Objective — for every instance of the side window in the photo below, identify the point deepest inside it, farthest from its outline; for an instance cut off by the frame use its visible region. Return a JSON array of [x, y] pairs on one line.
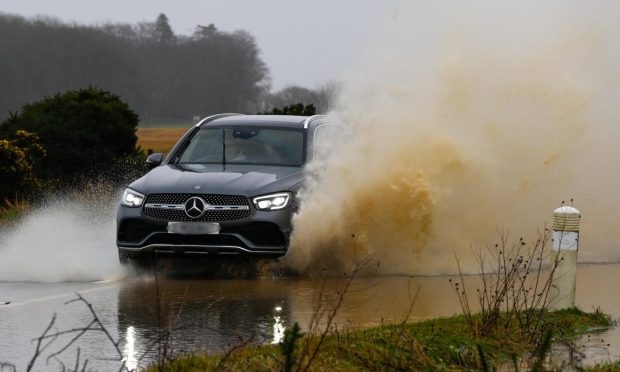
[[327, 138]]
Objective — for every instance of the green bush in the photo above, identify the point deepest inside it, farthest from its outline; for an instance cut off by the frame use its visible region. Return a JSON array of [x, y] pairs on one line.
[[85, 132], [292, 109], [17, 160]]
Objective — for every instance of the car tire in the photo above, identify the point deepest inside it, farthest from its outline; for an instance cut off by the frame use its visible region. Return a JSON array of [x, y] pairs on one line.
[[123, 258], [136, 261]]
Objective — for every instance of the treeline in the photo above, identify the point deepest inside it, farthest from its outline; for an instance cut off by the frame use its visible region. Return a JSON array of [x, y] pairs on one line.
[[163, 76]]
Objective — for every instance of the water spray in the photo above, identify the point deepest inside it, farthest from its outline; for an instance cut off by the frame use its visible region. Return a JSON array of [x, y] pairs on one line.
[[69, 238], [465, 122]]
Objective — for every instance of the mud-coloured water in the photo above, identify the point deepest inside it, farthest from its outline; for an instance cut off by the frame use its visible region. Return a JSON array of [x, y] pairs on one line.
[[197, 315]]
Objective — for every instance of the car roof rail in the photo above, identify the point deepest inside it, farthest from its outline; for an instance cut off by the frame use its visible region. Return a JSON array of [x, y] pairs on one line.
[[213, 117], [312, 118]]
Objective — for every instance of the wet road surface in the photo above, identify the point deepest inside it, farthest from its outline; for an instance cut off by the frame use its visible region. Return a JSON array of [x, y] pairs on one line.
[[197, 314]]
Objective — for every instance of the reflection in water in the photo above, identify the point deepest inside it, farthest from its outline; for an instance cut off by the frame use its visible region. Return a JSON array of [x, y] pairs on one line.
[[195, 315], [162, 317], [154, 317], [131, 361], [278, 326]]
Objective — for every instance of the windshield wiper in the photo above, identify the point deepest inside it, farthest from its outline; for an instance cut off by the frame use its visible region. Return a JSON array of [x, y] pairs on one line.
[[182, 166]]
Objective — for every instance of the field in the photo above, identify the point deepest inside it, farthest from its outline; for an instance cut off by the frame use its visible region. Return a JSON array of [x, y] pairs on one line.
[[159, 139]]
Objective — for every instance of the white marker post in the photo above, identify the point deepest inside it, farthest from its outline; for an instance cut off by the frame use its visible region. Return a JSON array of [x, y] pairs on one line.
[[565, 244]]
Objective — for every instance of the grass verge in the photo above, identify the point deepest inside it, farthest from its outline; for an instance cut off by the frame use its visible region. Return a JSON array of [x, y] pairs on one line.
[[443, 343], [605, 367]]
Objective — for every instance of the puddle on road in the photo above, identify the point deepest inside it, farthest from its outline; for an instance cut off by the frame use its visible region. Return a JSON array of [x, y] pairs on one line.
[[198, 315]]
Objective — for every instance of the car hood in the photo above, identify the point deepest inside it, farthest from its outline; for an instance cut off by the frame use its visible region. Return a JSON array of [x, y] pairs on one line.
[[246, 180]]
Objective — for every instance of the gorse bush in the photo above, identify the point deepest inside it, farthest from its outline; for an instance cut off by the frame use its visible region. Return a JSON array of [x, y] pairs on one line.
[[84, 132], [17, 160]]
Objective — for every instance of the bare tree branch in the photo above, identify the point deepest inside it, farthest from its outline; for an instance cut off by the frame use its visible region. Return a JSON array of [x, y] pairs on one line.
[[39, 349]]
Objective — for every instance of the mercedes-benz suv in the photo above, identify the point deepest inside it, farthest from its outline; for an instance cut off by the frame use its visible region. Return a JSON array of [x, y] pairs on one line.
[[228, 187]]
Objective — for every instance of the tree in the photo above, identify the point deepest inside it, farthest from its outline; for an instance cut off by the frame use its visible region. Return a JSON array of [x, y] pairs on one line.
[[293, 109], [83, 131], [322, 97], [205, 32], [162, 32], [164, 77]]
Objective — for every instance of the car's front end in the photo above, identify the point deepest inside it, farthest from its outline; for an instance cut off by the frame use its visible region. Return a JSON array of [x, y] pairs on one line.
[[220, 225], [198, 202]]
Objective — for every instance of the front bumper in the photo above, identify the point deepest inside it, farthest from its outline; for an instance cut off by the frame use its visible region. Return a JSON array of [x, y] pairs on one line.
[[262, 233]]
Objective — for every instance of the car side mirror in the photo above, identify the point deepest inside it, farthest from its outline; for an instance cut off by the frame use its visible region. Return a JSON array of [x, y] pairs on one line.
[[154, 160]]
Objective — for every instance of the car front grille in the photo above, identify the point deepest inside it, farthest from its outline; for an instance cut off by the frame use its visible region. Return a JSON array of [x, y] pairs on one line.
[[135, 230], [225, 207], [259, 233]]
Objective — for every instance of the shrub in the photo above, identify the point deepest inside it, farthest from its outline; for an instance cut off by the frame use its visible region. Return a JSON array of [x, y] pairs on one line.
[[81, 130], [292, 109], [17, 159]]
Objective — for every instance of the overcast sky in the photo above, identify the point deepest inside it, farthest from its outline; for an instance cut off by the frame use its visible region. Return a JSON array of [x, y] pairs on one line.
[[303, 42]]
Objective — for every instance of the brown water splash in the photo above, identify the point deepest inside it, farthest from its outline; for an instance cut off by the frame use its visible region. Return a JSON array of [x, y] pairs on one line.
[[468, 119]]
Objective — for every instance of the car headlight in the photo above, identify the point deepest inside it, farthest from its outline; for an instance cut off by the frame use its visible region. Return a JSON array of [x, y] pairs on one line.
[[272, 202], [132, 198]]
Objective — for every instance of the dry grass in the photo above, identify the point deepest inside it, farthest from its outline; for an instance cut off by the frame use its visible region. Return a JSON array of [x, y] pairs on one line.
[[159, 139]]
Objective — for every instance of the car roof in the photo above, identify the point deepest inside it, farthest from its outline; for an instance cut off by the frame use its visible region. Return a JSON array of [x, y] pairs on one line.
[[290, 121]]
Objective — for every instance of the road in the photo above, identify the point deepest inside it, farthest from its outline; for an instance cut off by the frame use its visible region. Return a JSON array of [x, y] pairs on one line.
[[201, 314]]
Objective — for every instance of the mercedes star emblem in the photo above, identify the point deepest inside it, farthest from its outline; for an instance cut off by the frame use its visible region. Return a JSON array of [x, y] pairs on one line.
[[195, 207]]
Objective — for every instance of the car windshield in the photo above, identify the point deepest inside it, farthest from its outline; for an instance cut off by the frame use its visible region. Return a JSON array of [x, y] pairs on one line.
[[245, 145]]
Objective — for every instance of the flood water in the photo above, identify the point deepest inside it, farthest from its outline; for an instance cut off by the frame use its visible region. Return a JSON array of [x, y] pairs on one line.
[[196, 314]]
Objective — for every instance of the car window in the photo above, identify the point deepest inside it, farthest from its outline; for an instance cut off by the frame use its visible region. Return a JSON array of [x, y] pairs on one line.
[[327, 138], [245, 145]]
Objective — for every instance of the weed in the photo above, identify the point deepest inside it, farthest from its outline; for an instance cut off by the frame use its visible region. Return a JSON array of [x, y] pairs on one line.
[[324, 313], [288, 345], [483, 359], [11, 210], [541, 351], [515, 288]]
